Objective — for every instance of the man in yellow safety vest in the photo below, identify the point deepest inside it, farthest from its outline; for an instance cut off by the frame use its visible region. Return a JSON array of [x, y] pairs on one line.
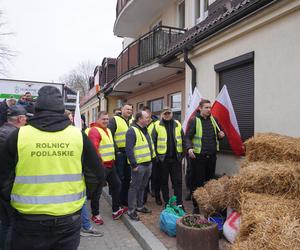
[[102, 139], [41, 174], [140, 152], [202, 142], [118, 126]]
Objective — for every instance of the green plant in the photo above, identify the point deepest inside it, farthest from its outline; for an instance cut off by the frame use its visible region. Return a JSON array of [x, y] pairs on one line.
[[195, 221]]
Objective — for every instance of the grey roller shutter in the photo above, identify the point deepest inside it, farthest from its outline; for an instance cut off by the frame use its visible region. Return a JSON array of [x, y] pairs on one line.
[[240, 84]]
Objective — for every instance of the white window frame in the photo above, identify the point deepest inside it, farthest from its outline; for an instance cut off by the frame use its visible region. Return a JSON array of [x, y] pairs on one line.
[[203, 12], [178, 13]]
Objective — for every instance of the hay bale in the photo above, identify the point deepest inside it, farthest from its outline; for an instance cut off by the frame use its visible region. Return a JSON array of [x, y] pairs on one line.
[[272, 147], [211, 198], [273, 234], [281, 179], [266, 216]]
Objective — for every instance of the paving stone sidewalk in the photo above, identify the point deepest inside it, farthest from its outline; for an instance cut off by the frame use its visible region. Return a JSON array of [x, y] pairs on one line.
[[116, 235]]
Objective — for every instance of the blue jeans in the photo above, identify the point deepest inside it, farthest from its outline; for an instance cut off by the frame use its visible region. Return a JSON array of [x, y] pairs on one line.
[[85, 221]]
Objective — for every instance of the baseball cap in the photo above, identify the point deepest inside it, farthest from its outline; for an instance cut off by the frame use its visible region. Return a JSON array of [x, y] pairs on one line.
[[166, 109], [16, 110]]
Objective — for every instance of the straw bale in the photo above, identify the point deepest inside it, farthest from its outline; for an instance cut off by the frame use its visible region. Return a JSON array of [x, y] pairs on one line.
[[271, 178], [272, 147], [211, 198], [273, 234], [256, 209]]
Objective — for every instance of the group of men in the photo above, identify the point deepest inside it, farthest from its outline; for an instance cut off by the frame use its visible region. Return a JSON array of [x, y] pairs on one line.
[[46, 194]]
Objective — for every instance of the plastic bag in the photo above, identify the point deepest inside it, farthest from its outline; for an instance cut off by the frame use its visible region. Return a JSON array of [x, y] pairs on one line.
[[231, 226], [169, 216]]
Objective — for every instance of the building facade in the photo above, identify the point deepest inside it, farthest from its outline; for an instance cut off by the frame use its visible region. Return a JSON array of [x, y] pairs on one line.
[[253, 47]]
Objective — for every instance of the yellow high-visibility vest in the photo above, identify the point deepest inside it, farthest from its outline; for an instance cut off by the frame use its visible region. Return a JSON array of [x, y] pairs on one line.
[[49, 172], [150, 128], [197, 139], [161, 144], [106, 146], [86, 131], [142, 152], [120, 134]]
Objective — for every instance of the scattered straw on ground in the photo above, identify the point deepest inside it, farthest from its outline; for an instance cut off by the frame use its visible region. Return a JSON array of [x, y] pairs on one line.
[[272, 147], [212, 198]]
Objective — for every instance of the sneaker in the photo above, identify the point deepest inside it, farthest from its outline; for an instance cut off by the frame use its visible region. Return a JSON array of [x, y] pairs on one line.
[[133, 216], [144, 210], [116, 215], [182, 207], [97, 219], [90, 232], [125, 209]]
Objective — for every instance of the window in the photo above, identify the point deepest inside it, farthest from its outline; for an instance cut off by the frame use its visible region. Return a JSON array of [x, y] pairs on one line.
[[181, 15], [201, 10], [238, 75], [139, 106], [94, 114], [156, 105], [175, 104]]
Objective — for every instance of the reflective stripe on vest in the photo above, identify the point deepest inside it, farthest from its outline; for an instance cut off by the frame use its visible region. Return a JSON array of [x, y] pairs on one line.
[[197, 139], [48, 172], [106, 146], [142, 152], [162, 136], [119, 136]]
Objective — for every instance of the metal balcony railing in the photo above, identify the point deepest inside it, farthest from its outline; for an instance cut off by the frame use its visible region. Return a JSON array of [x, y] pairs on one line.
[[147, 48]]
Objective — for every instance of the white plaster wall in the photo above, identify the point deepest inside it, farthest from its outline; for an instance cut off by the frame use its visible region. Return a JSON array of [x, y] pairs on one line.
[[277, 73]]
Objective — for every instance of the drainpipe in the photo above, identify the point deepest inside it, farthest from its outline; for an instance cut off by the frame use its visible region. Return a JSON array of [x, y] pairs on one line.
[[191, 65]]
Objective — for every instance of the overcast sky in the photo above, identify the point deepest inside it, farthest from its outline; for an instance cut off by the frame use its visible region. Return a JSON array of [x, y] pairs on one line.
[[51, 37]]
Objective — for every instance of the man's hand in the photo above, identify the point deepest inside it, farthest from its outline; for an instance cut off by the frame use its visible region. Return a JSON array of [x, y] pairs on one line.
[[221, 135], [191, 153], [135, 169]]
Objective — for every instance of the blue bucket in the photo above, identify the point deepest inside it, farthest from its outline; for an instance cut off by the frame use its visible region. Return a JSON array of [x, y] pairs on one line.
[[219, 220]]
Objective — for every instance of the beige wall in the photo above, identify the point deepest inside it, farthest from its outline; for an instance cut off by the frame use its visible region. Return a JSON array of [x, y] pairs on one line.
[[87, 108], [159, 90], [274, 37]]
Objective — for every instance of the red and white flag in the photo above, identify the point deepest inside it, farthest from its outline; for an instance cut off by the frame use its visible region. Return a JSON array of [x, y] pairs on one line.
[[222, 109], [192, 108]]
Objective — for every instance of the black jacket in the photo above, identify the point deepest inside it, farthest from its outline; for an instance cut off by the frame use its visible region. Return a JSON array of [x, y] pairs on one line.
[[50, 122], [209, 145], [171, 141]]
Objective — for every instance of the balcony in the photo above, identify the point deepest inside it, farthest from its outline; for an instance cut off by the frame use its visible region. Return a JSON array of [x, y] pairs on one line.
[[143, 54], [133, 15]]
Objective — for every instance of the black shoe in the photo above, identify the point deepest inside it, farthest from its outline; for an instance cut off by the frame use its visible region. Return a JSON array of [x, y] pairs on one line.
[[196, 210], [158, 202], [188, 197], [133, 216], [144, 210]]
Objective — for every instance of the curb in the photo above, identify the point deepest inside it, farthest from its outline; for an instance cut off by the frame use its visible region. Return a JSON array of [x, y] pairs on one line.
[[141, 233]]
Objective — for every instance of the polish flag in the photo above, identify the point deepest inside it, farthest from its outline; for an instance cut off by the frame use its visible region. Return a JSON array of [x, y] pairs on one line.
[[192, 108], [77, 116], [222, 109]]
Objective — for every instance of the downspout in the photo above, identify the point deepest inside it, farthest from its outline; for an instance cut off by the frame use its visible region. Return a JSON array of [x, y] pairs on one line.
[[191, 65]]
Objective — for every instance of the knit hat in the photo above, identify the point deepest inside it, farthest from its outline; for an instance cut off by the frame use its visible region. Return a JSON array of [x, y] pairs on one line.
[[49, 98]]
